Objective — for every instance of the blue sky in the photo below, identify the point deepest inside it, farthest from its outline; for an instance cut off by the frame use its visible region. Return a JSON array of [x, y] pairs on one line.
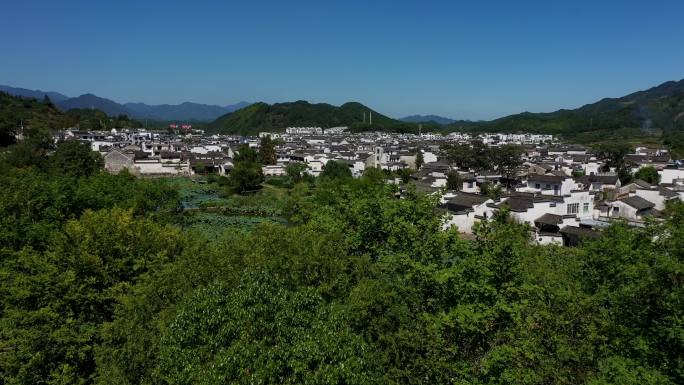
[[461, 59]]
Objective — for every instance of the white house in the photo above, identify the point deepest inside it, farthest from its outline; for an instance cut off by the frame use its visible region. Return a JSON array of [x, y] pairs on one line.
[[465, 209]]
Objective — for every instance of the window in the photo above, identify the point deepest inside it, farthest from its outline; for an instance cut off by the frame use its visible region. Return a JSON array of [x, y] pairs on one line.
[[585, 207], [616, 209], [537, 186], [573, 208]]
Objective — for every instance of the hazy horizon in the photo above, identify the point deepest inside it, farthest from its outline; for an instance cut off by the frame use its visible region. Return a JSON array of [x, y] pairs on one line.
[[475, 61]]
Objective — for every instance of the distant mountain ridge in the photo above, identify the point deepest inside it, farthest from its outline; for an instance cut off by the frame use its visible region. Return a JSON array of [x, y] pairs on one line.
[[427, 119], [90, 101], [187, 111], [656, 112], [183, 111], [36, 94]]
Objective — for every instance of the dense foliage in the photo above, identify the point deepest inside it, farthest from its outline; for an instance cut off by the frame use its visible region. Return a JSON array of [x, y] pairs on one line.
[[17, 112], [106, 279], [648, 174]]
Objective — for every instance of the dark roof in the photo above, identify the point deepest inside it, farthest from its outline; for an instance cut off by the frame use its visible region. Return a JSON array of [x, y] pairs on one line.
[[580, 232], [544, 178], [519, 203], [605, 179], [464, 201], [638, 202], [667, 193], [549, 219], [642, 183]]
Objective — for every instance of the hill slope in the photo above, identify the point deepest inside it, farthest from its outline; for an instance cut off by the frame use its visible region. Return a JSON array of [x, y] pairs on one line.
[[187, 111], [427, 119], [55, 97], [27, 112], [91, 101], [184, 111], [276, 117], [640, 114]]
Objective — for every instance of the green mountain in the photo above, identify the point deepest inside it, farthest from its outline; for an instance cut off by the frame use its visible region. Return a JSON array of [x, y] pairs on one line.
[[276, 117], [27, 112], [17, 111], [653, 112]]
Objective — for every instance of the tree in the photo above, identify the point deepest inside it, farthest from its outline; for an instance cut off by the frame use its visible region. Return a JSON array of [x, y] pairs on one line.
[[295, 170], [507, 159], [76, 158], [419, 158], [648, 174], [267, 151], [374, 175], [246, 154], [459, 154], [47, 101], [335, 170], [267, 333], [33, 150], [52, 332], [491, 190], [405, 174], [454, 181], [246, 176], [614, 154]]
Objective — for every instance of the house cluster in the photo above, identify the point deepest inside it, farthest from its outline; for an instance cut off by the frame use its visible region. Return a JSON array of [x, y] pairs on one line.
[[565, 193], [147, 153]]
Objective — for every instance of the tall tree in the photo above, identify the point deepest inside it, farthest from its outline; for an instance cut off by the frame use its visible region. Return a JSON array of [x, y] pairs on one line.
[[76, 158], [246, 176], [419, 158], [295, 170], [246, 154], [507, 159], [454, 181], [267, 151], [614, 155], [335, 170]]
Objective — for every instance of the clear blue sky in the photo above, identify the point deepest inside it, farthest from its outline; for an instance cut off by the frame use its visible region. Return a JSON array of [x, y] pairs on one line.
[[461, 59]]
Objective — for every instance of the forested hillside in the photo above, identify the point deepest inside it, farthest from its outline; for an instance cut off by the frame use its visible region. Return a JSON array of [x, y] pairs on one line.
[[656, 112], [42, 115], [109, 279], [276, 117], [16, 112]]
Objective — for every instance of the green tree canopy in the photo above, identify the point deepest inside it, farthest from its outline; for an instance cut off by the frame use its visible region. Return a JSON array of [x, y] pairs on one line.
[[246, 176], [335, 170], [267, 151], [648, 174], [76, 158]]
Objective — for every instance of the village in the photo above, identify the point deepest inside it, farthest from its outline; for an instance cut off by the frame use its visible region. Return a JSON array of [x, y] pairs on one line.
[[565, 192]]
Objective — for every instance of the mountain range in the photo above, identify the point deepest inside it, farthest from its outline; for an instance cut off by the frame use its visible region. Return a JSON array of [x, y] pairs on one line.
[[656, 113], [36, 94], [186, 111], [427, 119]]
